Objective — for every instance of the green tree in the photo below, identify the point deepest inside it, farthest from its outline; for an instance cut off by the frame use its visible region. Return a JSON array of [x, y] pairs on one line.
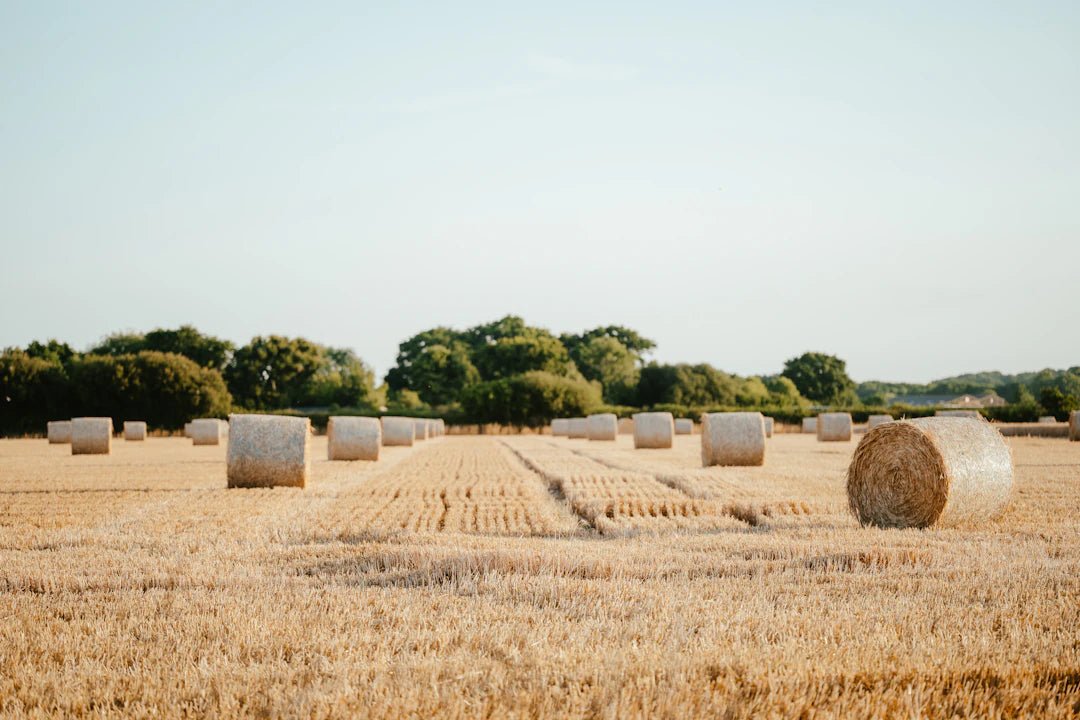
[[342, 379], [607, 361], [628, 338], [53, 351], [1057, 403], [533, 349], [273, 372], [33, 390], [121, 343], [783, 393], [204, 350], [531, 399], [436, 364], [821, 378]]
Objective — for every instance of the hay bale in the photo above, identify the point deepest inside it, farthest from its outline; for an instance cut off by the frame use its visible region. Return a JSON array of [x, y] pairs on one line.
[[733, 438], [929, 471], [268, 451], [959, 413], [874, 420], [1074, 425], [353, 438], [834, 427], [769, 422], [420, 429], [1047, 419], [91, 436], [187, 430], [684, 426], [206, 431], [809, 425], [653, 430], [398, 431], [438, 427], [58, 431], [134, 430], [560, 427], [577, 429], [603, 426]]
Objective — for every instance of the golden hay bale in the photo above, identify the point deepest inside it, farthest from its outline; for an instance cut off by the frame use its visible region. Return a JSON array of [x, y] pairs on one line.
[[929, 471], [1047, 420], [134, 430], [59, 432], [684, 426], [834, 427], [809, 425], [958, 413], [398, 430], [602, 426], [653, 430], [733, 438], [874, 420], [769, 422], [268, 451], [206, 431], [440, 427], [560, 427], [420, 429], [578, 428], [91, 436], [1074, 425], [351, 437], [626, 426]]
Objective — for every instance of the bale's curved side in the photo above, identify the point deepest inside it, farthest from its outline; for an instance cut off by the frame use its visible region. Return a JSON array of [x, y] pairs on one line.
[[1074, 425], [206, 431], [58, 432], [959, 414], [733, 438], [809, 425], [653, 430], [834, 427], [560, 427], [684, 426], [398, 431], [929, 471], [268, 451], [420, 429], [134, 430], [769, 424], [602, 426], [353, 438], [91, 436], [577, 428]]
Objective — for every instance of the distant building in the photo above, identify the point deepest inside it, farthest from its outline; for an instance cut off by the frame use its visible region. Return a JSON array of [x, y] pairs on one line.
[[973, 402]]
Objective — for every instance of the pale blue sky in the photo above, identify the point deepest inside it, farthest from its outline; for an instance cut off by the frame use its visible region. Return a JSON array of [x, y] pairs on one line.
[[896, 183]]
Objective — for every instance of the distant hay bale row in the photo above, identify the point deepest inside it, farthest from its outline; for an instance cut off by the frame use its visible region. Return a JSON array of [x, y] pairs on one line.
[[769, 423], [929, 471], [809, 425], [834, 427], [1047, 420], [91, 436], [134, 430], [958, 413], [602, 426], [733, 438], [207, 431], [560, 427], [653, 430], [268, 451], [421, 429], [353, 438], [1074, 425], [874, 420], [684, 426], [397, 431], [58, 432], [577, 428]]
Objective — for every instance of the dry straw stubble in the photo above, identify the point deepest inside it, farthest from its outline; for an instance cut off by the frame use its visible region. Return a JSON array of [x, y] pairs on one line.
[[59, 432], [91, 436], [733, 438], [654, 430], [929, 471], [834, 427], [268, 451], [353, 438]]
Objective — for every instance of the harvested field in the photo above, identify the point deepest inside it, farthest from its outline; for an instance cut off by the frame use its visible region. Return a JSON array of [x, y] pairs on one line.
[[518, 576]]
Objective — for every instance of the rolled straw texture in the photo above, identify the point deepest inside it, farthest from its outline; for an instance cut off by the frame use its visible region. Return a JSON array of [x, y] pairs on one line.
[[733, 438], [654, 430], [353, 438], [268, 451]]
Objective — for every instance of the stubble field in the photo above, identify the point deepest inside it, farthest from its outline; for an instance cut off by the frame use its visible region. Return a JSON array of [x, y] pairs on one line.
[[521, 576]]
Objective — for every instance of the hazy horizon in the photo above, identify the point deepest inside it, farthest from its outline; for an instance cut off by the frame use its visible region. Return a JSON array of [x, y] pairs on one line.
[[893, 185]]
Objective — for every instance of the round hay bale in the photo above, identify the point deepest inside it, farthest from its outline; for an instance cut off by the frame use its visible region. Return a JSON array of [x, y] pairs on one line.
[[58, 432], [1074, 425], [733, 438], [1047, 420], [420, 429], [602, 426], [91, 436], [959, 413], [268, 451], [206, 431], [626, 426], [440, 427], [398, 430], [653, 430], [187, 429], [560, 427], [929, 471], [769, 422], [577, 429], [834, 427], [874, 420], [134, 430], [353, 438], [809, 425], [684, 426]]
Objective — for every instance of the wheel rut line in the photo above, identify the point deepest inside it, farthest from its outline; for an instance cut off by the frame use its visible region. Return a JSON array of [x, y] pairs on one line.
[[553, 484]]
